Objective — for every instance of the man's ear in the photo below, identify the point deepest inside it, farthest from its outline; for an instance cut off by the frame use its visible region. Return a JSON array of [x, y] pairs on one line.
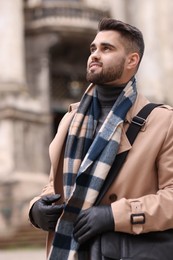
[[133, 60]]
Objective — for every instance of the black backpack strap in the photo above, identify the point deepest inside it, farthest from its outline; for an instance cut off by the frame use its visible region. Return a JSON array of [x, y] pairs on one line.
[[137, 123]]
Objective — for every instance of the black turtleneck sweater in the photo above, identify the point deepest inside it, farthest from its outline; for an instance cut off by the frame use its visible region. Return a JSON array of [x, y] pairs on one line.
[[107, 96]]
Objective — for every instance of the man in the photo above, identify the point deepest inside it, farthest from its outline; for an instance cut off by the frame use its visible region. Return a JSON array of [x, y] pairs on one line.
[[88, 140]]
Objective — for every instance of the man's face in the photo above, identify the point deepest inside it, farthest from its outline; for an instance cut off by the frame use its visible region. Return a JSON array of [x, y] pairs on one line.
[[107, 62]]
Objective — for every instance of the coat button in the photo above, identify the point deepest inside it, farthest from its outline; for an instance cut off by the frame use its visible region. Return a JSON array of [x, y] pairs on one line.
[[112, 197]]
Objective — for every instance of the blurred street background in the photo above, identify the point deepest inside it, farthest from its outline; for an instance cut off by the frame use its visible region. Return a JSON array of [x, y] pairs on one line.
[[23, 254], [44, 46]]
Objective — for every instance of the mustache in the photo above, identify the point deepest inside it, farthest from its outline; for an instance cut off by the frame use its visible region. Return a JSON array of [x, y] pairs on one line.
[[95, 63]]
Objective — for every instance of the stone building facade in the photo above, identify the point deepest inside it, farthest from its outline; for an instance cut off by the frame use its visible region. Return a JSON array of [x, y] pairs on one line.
[[43, 54]]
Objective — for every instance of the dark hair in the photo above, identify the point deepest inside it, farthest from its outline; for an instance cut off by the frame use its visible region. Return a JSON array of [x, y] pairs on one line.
[[133, 38]]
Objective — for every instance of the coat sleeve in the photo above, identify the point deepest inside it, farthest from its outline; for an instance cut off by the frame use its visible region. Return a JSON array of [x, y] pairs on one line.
[[47, 190], [152, 212]]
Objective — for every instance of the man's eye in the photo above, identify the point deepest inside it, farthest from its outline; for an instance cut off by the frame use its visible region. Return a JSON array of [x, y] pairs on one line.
[[92, 50], [106, 48]]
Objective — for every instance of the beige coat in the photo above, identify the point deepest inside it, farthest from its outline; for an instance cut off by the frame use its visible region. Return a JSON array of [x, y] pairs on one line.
[[144, 185]]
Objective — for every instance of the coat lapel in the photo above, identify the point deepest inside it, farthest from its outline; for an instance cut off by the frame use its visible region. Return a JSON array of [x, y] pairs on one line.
[[124, 144], [139, 103], [56, 147]]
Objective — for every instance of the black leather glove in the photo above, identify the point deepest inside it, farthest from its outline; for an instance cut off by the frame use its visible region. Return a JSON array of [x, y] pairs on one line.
[[93, 221], [45, 215]]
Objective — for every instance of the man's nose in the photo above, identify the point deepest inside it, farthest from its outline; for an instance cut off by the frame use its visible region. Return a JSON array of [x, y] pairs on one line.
[[95, 55]]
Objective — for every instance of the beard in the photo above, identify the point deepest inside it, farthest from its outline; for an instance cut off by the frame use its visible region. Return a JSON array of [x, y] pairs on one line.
[[106, 75]]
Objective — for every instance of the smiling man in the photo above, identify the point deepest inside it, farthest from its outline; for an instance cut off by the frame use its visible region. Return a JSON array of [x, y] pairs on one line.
[[89, 138]]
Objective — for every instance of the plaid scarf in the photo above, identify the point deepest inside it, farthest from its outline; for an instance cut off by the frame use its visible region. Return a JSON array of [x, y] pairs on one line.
[[87, 163]]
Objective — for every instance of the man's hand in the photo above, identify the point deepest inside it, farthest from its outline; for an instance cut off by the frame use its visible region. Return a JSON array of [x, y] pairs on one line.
[[45, 215], [93, 221]]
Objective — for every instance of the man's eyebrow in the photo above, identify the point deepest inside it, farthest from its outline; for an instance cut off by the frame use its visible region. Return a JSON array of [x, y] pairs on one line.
[[103, 44], [108, 44], [92, 45]]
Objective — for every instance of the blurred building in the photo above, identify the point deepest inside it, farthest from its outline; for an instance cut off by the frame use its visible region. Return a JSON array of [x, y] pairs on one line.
[[43, 52]]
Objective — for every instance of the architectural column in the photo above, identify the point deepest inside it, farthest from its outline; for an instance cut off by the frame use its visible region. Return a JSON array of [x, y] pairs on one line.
[[37, 60], [117, 9], [150, 17], [25, 123], [164, 9], [12, 72]]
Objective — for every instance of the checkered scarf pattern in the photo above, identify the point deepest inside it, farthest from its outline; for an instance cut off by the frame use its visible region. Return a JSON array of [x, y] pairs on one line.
[[87, 162]]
